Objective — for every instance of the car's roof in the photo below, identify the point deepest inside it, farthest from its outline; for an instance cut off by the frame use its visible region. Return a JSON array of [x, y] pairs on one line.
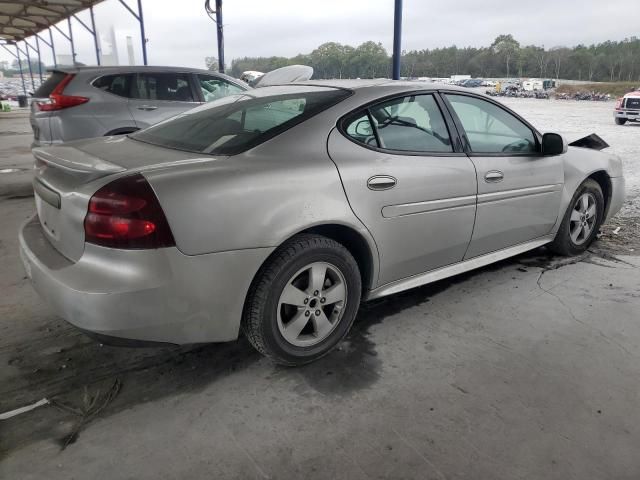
[[379, 83], [136, 69]]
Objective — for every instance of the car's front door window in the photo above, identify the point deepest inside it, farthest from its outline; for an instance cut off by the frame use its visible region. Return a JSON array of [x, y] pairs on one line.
[[490, 129], [214, 88]]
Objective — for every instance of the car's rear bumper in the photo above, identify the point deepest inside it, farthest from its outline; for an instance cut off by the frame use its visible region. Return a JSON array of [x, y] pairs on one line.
[[148, 295]]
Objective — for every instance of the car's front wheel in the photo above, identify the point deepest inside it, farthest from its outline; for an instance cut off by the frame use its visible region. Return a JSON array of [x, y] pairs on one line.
[[303, 300], [581, 221], [621, 121]]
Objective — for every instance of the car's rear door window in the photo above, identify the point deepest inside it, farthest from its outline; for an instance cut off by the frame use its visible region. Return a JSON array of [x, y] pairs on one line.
[[239, 122], [413, 123], [164, 86], [213, 88], [491, 129], [119, 85]]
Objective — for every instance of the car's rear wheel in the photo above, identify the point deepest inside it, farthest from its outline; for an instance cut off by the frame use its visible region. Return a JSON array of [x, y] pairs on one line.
[[303, 300], [581, 221], [621, 121]]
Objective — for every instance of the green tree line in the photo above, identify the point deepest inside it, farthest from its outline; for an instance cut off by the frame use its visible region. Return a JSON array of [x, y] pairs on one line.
[[607, 61]]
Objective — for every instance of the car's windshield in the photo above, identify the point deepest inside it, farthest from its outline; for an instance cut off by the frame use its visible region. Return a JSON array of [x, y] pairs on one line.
[[237, 123]]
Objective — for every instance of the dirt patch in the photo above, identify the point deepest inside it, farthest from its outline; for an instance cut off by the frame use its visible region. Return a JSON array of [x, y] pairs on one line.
[[615, 89], [620, 235]]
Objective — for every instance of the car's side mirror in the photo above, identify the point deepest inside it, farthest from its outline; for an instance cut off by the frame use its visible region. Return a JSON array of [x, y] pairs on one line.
[[554, 144]]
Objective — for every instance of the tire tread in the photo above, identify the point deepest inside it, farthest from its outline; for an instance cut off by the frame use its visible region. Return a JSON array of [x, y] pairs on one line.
[[252, 325]]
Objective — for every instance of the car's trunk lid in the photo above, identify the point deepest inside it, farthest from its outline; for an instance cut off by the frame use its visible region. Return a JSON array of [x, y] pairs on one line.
[[67, 175]]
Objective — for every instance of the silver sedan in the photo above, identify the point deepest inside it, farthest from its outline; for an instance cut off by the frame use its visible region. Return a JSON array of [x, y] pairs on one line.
[[278, 210]]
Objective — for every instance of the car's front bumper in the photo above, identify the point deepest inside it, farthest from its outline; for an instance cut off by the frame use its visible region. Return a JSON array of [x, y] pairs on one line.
[[149, 295], [629, 115]]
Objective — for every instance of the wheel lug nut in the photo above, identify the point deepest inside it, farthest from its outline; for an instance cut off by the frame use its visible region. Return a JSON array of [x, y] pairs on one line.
[[306, 314], [317, 313], [306, 300], [315, 294], [322, 300]]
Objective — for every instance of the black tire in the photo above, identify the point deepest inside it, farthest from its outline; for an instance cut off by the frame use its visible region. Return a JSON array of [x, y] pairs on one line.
[[563, 244], [621, 121], [260, 316]]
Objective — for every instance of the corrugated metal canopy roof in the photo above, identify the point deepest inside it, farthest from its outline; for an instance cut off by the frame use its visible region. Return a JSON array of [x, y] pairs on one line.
[[20, 19]]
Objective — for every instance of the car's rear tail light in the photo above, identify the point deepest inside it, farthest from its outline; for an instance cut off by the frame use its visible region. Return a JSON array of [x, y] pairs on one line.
[[57, 99], [126, 214], [619, 103]]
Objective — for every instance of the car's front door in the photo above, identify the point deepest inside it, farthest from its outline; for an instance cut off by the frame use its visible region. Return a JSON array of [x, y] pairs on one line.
[[158, 96], [519, 190], [407, 184]]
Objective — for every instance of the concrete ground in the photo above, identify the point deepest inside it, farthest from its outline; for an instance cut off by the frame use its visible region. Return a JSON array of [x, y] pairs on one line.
[[15, 155], [529, 368]]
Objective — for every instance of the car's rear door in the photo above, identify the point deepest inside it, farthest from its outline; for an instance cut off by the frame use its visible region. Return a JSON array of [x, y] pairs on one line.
[[157, 96], [519, 190], [110, 106], [407, 183]]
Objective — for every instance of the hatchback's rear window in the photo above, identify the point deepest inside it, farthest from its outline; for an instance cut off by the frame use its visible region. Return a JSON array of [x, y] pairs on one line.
[[49, 84], [237, 123]]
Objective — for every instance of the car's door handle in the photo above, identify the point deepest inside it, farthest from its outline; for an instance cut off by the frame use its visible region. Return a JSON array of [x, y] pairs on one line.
[[381, 182], [147, 107], [494, 176]]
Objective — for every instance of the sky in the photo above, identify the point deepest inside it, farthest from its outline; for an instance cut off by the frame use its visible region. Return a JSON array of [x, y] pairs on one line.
[[180, 33]]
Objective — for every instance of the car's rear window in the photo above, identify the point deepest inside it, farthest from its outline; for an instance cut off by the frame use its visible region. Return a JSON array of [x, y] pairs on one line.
[[49, 84], [237, 123]]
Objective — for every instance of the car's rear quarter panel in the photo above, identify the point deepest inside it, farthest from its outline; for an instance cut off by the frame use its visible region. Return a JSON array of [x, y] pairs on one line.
[[256, 199]]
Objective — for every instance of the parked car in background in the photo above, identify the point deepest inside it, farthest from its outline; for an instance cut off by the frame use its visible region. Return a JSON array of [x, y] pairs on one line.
[[471, 83], [84, 102], [277, 212], [628, 108]]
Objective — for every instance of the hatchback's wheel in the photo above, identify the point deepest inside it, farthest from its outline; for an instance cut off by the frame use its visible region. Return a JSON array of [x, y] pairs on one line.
[[621, 121], [581, 221], [303, 300]]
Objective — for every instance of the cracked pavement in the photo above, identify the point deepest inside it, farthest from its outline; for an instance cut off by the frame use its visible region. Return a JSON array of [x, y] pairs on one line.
[[528, 368]]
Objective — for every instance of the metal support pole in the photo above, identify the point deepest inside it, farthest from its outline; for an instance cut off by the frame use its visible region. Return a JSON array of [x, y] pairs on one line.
[[220, 36], [39, 58], [140, 17], [397, 37], [53, 49], [24, 87], [33, 84], [95, 35], [73, 46], [142, 34]]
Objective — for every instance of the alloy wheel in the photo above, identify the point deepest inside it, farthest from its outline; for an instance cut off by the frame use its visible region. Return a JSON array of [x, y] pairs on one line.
[[311, 304], [583, 218]]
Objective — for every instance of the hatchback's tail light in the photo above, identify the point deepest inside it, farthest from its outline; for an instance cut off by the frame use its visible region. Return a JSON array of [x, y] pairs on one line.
[[619, 103], [58, 100], [126, 214]]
